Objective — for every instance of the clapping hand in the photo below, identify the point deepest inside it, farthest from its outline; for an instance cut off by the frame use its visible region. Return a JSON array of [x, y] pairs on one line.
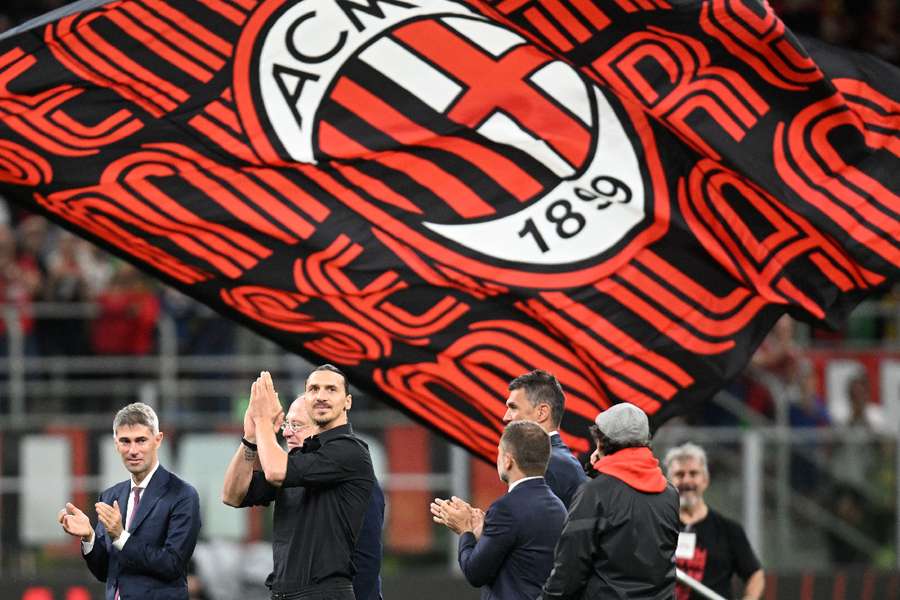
[[111, 517], [454, 513], [74, 522]]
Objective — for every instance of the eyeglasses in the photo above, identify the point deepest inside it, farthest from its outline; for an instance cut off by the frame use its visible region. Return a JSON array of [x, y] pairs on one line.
[[294, 427]]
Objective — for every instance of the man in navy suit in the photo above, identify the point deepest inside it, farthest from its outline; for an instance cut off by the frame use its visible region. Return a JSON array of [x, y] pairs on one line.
[[147, 526], [508, 551], [537, 396]]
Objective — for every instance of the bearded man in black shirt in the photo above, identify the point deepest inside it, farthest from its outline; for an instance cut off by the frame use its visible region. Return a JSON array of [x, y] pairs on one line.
[[320, 490], [711, 547]]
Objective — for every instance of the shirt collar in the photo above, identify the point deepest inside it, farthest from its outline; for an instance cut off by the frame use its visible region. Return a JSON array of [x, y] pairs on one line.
[[146, 480], [323, 437], [552, 433], [513, 485]]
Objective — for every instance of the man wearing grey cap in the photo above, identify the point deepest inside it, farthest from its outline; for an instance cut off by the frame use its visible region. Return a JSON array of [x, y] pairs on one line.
[[620, 536]]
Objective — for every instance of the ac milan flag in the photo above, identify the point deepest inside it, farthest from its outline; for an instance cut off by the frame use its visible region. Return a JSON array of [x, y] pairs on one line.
[[440, 195]]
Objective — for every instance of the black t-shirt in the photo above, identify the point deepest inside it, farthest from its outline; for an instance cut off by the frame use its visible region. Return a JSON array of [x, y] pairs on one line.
[[722, 550], [319, 510]]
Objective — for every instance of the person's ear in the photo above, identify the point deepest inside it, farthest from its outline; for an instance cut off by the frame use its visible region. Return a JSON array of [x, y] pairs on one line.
[[349, 403], [543, 412]]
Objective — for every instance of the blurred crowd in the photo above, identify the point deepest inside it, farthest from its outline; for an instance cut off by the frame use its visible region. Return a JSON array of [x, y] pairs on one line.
[[91, 303]]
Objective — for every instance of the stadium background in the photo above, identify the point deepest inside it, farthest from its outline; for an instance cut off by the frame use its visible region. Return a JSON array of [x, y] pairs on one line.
[[803, 446]]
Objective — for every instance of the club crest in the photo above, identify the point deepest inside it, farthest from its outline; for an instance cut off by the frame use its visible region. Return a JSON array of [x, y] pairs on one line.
[[454, 134]]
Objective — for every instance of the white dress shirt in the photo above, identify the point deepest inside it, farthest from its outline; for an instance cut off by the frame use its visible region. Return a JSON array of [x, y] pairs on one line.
[[86, 547], [515, 483]]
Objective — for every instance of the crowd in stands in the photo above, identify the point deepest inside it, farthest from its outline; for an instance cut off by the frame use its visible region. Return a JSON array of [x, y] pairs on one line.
[[41, 263]]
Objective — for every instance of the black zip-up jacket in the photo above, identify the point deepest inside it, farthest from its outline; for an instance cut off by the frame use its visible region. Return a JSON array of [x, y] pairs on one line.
[[618, 543]]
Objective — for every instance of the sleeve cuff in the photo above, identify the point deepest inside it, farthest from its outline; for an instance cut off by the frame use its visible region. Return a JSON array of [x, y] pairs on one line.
[[86, 547], [120, 542]]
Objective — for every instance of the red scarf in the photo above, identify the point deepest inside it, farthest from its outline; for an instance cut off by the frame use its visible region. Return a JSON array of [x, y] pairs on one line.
[[635, 466]]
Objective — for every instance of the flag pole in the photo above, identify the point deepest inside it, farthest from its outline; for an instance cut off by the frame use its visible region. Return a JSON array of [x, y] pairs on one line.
[[696, 585]]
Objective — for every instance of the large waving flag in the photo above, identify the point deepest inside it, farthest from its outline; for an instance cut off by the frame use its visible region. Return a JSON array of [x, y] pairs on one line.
[[441, 195]]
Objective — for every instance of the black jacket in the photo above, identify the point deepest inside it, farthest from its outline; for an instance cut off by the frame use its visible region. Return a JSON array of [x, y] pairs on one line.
[[618, 543]]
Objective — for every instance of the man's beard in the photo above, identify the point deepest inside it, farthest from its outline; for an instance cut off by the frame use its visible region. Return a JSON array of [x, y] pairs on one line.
[[688, 499]]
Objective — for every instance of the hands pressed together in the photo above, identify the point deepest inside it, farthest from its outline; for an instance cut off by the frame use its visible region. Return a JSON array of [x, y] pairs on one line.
[[264, 406], [458, 515]]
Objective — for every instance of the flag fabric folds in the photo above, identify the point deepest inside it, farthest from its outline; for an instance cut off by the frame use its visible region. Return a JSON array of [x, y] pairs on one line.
[[438, 196]]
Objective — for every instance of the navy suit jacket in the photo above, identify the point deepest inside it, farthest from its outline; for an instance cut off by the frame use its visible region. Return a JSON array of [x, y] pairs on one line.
[[367, 556], [564, 474], [153, 563], [514, 555]]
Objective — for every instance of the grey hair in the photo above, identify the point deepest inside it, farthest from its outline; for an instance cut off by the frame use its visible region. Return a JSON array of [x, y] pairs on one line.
[[136, 413], [686, 451]]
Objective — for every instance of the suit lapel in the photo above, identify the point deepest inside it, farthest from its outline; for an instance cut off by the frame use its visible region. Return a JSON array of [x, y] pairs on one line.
[[123, 498], [150, 496]]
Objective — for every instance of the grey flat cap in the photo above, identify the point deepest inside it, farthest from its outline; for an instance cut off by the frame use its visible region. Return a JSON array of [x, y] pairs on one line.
[[624, 424]]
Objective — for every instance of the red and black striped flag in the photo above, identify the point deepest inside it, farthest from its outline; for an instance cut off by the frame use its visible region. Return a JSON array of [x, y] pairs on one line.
[[441, 195]]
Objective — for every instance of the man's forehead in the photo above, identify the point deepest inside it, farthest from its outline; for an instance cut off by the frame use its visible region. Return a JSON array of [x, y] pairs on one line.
[[687, 464], [133, 431], [324, 378], [517, 396], [297, 412]]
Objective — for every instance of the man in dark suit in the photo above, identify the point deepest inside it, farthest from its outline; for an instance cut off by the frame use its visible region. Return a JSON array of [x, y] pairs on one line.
[[537, 396], [147, 526], [508, 552]]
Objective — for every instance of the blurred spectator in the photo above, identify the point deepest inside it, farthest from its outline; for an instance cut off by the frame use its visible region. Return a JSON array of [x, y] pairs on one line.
[[65, 283], [128, 314], [855, 456], [778, 355], [849, 507], [20, 280], [863, 412], [199, 329], [808, 409], [774, 367], [96, 266]]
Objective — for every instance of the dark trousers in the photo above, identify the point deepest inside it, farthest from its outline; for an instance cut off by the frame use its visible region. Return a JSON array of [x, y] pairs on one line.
[[319, 592]]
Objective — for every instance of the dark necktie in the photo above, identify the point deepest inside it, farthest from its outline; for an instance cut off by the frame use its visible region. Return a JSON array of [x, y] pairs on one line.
[[137, 502]]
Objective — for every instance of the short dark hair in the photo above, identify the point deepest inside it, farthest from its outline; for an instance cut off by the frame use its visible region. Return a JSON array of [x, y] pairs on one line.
[[607, 446], [529, 445], [542, 387], [333, 369]]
